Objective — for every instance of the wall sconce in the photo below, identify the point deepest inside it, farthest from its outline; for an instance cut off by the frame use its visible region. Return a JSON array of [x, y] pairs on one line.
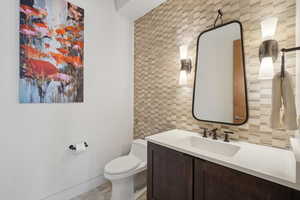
[[186, 65], [268, 50]]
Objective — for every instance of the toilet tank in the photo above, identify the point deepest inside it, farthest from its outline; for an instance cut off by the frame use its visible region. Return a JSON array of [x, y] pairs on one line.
[[139, 149]]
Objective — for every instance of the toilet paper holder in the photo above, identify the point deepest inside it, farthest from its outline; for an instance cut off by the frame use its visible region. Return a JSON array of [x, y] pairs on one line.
[[73, 147]]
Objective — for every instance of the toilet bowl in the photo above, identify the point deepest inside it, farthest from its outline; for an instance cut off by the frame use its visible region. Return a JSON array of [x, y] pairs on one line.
[[121, 171]]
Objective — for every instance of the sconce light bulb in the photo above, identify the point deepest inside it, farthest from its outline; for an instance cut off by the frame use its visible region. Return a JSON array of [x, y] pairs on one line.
[[183, 52], [266, 68], [183, 79], [268, 28]]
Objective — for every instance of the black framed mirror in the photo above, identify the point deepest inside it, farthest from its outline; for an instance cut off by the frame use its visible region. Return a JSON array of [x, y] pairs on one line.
[[220, 86]]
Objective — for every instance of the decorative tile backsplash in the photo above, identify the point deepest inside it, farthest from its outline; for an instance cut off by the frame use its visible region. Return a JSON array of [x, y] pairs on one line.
[[161, 104]]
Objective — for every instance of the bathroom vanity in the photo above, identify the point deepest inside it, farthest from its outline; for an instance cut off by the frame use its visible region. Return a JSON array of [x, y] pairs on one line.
[[184, 166]]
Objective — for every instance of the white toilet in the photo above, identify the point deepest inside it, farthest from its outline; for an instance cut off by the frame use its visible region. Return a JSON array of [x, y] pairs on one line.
[[121, 171]]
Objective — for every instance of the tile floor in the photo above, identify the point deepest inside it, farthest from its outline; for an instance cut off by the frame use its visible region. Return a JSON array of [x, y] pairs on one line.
[[102, 192]]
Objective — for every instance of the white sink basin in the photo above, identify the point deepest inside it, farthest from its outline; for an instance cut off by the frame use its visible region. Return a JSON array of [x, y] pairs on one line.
[[208, 145]]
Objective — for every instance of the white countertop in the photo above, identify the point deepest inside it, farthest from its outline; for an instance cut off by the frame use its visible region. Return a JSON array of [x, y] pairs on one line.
[[276, 165]]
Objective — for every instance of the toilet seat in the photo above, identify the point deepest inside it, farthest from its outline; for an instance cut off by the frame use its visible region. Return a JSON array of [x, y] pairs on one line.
[[122, 165]]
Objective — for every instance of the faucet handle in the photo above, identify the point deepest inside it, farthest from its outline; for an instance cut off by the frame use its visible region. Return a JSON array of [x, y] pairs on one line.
[[226, 138], [204, 132]]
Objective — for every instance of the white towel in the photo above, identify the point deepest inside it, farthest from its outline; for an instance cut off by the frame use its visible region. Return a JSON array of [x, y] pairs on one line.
[[283, 100]]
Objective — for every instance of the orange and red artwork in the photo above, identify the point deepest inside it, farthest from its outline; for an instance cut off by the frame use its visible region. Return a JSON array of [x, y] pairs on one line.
[[51, 52]]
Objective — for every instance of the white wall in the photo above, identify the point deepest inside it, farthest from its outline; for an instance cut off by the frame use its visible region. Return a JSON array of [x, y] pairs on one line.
[[134, 9], [120, 3], [298, 58], [34, 162]]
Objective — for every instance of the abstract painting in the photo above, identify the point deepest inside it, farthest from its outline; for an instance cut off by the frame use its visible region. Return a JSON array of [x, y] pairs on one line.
[[51, 52]]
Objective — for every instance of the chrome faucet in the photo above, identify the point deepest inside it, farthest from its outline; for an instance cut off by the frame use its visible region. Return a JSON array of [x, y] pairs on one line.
[[214, 134]]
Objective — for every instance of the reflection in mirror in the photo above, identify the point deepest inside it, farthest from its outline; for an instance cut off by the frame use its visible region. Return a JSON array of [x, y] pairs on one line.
[[220, 93]]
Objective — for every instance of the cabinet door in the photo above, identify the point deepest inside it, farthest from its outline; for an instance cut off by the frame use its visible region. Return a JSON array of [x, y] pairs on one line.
[[215, 182], [296, 195], [170, 174]]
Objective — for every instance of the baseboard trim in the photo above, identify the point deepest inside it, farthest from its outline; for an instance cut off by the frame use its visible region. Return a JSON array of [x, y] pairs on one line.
[[77, 190], [140, 192]]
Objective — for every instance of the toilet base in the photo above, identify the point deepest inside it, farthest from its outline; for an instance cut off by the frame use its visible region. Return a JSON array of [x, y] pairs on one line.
[[123, 189]]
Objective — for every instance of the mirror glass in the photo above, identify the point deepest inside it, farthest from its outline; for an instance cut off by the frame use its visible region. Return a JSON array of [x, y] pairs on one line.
[[220, 93]]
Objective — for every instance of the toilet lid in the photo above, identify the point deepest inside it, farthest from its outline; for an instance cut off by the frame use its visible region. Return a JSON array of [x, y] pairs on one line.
[[122, 165]]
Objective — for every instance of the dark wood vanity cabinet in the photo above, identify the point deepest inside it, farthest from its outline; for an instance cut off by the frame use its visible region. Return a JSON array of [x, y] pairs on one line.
[[170, 174], [176, 176], [296, 195], [213, 182]]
